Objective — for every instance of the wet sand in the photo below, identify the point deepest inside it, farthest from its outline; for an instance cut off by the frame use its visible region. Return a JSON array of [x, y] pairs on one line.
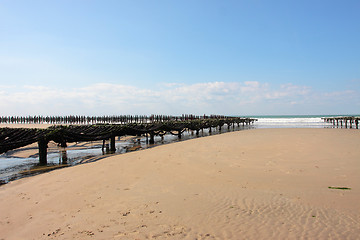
[[253, 184]]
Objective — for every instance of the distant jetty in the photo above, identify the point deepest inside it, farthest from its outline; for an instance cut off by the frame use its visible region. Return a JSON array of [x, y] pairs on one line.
[[345, 121], [82, 128]]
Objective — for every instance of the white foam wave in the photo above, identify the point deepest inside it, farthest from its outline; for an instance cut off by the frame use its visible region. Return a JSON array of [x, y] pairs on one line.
[[312, 122]]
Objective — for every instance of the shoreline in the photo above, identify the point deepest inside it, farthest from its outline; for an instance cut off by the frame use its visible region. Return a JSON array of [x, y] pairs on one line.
[[255, 184]]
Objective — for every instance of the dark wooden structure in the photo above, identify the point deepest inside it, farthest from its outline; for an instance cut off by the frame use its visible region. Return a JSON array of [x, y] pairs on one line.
[[12, 138], [116, 119], [346, 121]]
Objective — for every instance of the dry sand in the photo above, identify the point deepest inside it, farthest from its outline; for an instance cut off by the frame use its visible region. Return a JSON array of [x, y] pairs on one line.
[[253, 184]]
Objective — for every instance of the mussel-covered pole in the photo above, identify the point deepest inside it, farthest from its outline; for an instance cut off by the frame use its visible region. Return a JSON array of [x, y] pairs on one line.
[[64, 157], [43, 145], [112, 144], [152, 140]]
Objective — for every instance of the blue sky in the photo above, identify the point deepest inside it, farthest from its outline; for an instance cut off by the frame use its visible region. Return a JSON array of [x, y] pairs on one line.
[[174, 57]]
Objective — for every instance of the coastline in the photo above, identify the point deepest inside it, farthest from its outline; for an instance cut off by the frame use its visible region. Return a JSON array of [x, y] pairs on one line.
[[259, 183]]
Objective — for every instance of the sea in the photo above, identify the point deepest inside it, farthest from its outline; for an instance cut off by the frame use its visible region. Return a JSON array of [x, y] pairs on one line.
[[12, 168], [292, 121]]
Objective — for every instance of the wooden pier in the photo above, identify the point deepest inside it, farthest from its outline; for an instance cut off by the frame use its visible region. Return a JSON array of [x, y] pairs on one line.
[[347, 121], [115, 119], [13, 138]]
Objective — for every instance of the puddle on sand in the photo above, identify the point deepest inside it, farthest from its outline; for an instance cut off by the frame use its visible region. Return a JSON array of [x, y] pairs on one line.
[[12, 168]]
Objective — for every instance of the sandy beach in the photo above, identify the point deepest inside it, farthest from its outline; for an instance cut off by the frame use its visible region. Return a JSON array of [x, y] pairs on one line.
[[253, 184]]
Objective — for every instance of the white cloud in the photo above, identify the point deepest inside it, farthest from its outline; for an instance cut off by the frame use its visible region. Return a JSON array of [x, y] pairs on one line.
[[288, 90], [345, 93], [236, 98]]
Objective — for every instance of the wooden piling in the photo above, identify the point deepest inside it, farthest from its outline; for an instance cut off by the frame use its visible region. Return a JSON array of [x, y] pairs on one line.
[[64, 157], [348, 121], [43, 145], [103, 146], [152, 140], [63, 144], [112, 144]]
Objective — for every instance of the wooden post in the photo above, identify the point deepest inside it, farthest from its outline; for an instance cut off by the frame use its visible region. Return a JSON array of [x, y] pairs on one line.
[[152, 141], [43, 151], [63, 145], [103, 146], [64, 156], [107, 148], [112, 144]]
